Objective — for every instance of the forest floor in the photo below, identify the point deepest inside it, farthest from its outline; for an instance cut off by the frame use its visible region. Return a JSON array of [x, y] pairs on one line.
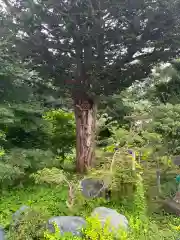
[[52, 202]]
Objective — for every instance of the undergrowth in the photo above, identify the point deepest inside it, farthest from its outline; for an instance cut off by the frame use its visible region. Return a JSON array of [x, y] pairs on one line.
[[51, 201], [139, 229]]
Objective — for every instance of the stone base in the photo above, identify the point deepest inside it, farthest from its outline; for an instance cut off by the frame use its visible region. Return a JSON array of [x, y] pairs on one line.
[[172, 206]]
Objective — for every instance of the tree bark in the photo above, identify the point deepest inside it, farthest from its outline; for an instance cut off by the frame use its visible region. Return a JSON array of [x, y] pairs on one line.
[[85, 114]]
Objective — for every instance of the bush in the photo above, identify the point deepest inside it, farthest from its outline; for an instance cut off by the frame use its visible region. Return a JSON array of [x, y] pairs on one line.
[[17, 164], [56, 235], [9, 174], [93, 231], [53, 201], [30, 143], [31, 225], [29, 160], [23, 126], [62, 132]]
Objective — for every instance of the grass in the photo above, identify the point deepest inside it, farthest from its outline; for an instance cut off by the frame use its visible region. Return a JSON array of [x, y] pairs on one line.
[[51, 200]]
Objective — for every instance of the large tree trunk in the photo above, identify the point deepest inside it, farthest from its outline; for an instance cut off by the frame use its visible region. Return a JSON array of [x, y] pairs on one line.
[[85, 114]]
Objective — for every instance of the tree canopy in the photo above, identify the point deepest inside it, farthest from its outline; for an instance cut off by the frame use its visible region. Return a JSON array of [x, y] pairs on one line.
[[92, 48], [95, 45]]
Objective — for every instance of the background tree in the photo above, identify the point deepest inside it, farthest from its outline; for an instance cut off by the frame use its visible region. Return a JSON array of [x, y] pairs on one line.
[[166, 88], [93, 48]]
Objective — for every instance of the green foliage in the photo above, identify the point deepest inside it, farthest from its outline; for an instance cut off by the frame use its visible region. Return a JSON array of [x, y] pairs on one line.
[[56, 235], [9, 174], [28, 138], [29, 160], [140, 226], [102, 66], [52, 236], [34, 140], [2, 140], [17, 164], [148, 229], [31, 225], [58, 177], [51, 200], [24, 126], [14, 76], [47, 199], [95, 231], [23, 132], [62, 131], [51, 176], [166, 123], [139, 229], [113, 108], [166, 88], [139, 203]]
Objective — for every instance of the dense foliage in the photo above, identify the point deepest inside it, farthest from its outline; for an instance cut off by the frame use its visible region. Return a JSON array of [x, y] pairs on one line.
[[89, 48], [37, 140], [45, 48]]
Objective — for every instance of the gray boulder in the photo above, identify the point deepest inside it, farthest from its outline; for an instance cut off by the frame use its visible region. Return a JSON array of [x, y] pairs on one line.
[[171, 206], [114, 219], [2, 234], [92, 188], [67, 224], [17, 215]]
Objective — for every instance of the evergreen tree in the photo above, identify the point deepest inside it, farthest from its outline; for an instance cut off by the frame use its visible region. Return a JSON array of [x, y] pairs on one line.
[[167, 84], [92, 48]]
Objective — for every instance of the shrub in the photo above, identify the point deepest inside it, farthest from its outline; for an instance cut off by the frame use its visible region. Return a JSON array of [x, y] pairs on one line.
[[24, 126], [29, 160], [58, 177], [139, 203], [17, 164], [57, 236], [62, 131], [139, 229], [30, 225], [93, 231], [44, 198], [9, 174]]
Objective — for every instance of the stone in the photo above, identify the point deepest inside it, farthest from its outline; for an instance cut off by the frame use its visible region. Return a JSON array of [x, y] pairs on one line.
[[177, 197], [67, 224], [2, 234], [17, 215], [115, 219], [92, 188], [172, 206]]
